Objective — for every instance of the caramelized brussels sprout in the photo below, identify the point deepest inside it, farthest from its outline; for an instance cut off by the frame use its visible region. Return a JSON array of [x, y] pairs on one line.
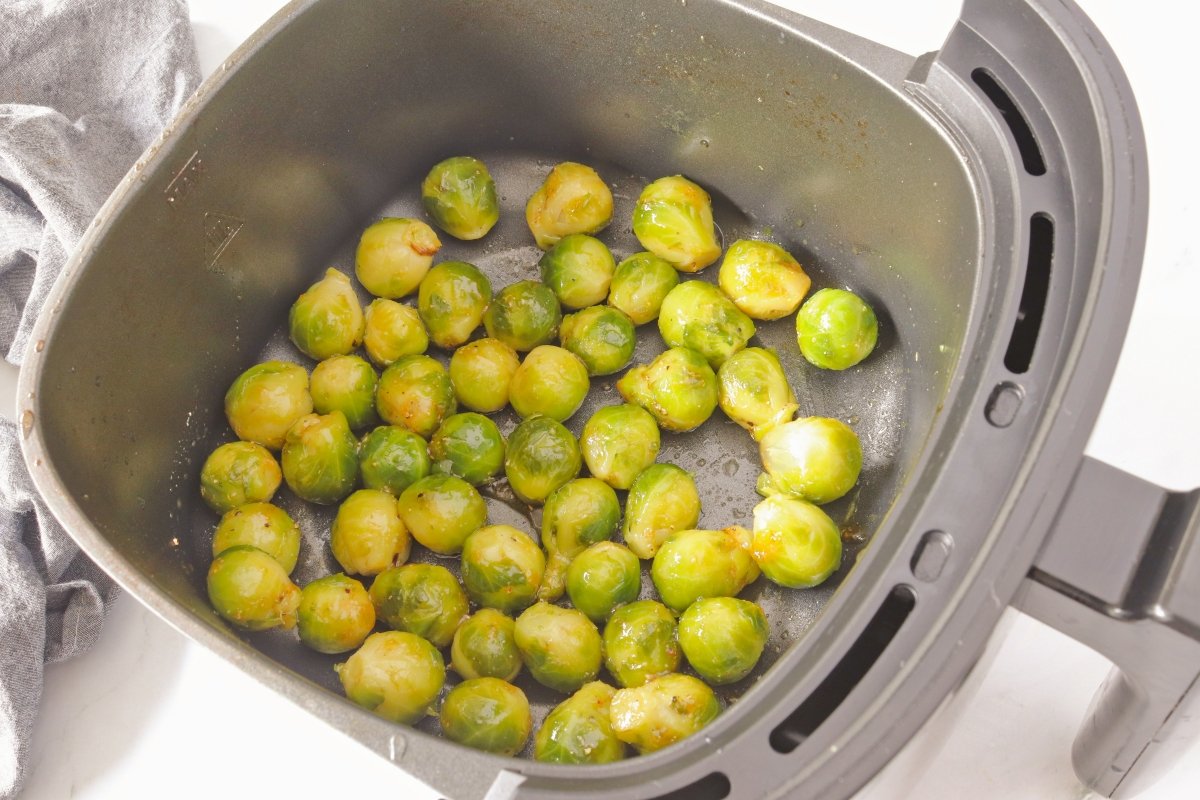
[[487, 714], [560, 646], [415, 393], [468, 445], [640, 285], [502, 568], [327, 320], [320, 458], [572, 199], [814, 458], [392, 458], [579, 270], [763, 279], [663, 711], [662, 500], [579, 731], [551, 381], [335, 614], [238, 473], [393, 256], [460, 197], [602, 337], [678, 387], [485, 646], [424, 599], [251, 590], [441, 511], [481, 372], [602, 577], [619, 442], [451, 302], [261, 525], [345, 384], [697, 563], [542, 455], [640, 643], [723, 637], [673, 219], [836, 329], [795, 543], [754, 392], [393, 331], [578, 514], [696, 314], [523, 315], [367, 535], [394, 674], [266, 400]]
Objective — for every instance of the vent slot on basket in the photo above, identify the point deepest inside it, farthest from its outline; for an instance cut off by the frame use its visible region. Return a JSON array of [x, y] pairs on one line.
[[859, 659], [1033, 295], [1027, 146], [714, 786]]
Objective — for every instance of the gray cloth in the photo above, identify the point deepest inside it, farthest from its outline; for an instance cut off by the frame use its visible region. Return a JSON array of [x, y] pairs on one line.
[[85, 86]]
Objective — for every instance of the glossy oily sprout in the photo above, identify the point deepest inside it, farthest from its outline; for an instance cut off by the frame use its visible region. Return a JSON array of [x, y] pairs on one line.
[[523, 315], [641, 643], [261, 525], [673, 219], [640, 285], [603, 338], [502, 568], [560, 646], [542, 455], [251, 590], [763, 280], [441, 511], [663, 711], [754, 392], [836, 329], [603, 577], [578, 514], [327, 320], [579, 730], [795, 543], [392, 458], [696, 314], [393, 256], [678, 387], [266, 400], [320, 458], [335, 614], [460, 197], [393, 331], [662, 500], [415, 393], [238, 473], [814, 458], [618, 442], [702, 563], [345, 384], [468, 445], [579, 270], [395, 674], [424, 599], [723, 637], [487, 714], [481, 373], [573, 199], [451, 301], [551, 381], [485, 646], [367, 535]]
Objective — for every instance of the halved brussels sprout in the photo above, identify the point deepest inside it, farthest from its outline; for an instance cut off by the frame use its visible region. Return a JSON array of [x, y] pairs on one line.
[[550, 381], [754, 392], [441, 511], [723, 637], [602, 337], [578, 514], [795, 543], [320, 458], [814, 458], [393, 331], [662, 500], [836, 329], [641, 643], [673, 219], [392, 458], [663, 711], [579, 270], [542, 455], [345, 384], [367, 535], [619, 442], [763, 280], [481, 372], [261, 525], [468, 445], [487, 714], [415, 393], [460, 197], [678, 387], [250, 589], [572, 199], [696, 314], [602, 577], [451, 302], [424, 599], [698, 563], [640, 285], [560, 646], [396, 675], [502, 568], [579, 731], [238, 473], [327, 320], [485, 646], [523, 315], [393, 256], [266, 400], [335, 613]]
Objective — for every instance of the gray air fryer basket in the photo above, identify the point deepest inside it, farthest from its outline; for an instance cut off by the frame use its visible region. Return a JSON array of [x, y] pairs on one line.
[[989, 199]]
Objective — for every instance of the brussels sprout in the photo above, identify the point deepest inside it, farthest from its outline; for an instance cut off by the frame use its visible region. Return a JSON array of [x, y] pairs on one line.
[[238, 473], [320, 458], [396, 675], [619, 442], [578, 514], [481, 372], [762, 279], [415, 393], [603, 577], [392, 458], [795, 543], [542, 455], [460, 197], [602, 337], [694, 564], [662, 500], [572, 199], [266, 400], [560, 646], [485, 646], [551, 381], [678, 387], [814, 458], [327, 320], [695, 314], [640, 643], [663, 711], [261, 525], [579, 731], [393, 331], [367, 535], [502, 568], [424, 599], [639, 286], [673, 219], [441, 511], [754, 392], [346, 384], [393, 256], [487, 714], [336, 614], [523, 315], [451, 301], [250, 589], [468, 445], [836, 329], [579, 270], [723, 637]]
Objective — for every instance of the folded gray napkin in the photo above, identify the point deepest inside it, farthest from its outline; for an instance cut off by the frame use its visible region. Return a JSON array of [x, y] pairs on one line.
[[85, 85]]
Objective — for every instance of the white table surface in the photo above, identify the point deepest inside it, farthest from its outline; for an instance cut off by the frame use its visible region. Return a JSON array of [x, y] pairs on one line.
[[147, 714]]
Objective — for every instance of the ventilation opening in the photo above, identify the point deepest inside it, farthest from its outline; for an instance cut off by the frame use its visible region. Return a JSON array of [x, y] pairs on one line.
[[714, 786], [863, 654], [1033, 295], [1027, 146]]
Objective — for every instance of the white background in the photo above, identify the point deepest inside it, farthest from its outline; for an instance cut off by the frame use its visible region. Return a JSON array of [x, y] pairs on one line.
[[147, 714]]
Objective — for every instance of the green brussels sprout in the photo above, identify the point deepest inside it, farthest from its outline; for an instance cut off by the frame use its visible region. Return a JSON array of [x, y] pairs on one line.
[[814, 458], [723, 637], [763, 279], [639, 286], [415, 393], [602, 577], [460, 197], [346, 384], [441, 511], [424, 599], [266, 400], [451, 302], [560, 646], [487, 714], [673, 219], [392, 458], [336, 614], [393, 331], [261, 525], [320, 458], [579, 270], [754, 392], [836, 329], [663, 711], [619, 442], [662, 500], [485, 646], [394, 674], [678, 387], [602, 337], [367, 535], [578, 730], [640, 643], [573, 199], [551, 381], [238, 473], [250, 589], [327, 320], [481, 372], [502, 568], [696, 563], [523, 315], [542, 455], [578, 514], [393, 256], [795, 543], [468, 445], [696, 314]]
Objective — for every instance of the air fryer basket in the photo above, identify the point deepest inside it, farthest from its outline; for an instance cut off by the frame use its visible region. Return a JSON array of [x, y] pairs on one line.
[[989, 199]]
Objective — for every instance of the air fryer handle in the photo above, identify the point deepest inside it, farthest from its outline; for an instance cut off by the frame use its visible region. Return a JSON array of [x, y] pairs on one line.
[[1120, 572]]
